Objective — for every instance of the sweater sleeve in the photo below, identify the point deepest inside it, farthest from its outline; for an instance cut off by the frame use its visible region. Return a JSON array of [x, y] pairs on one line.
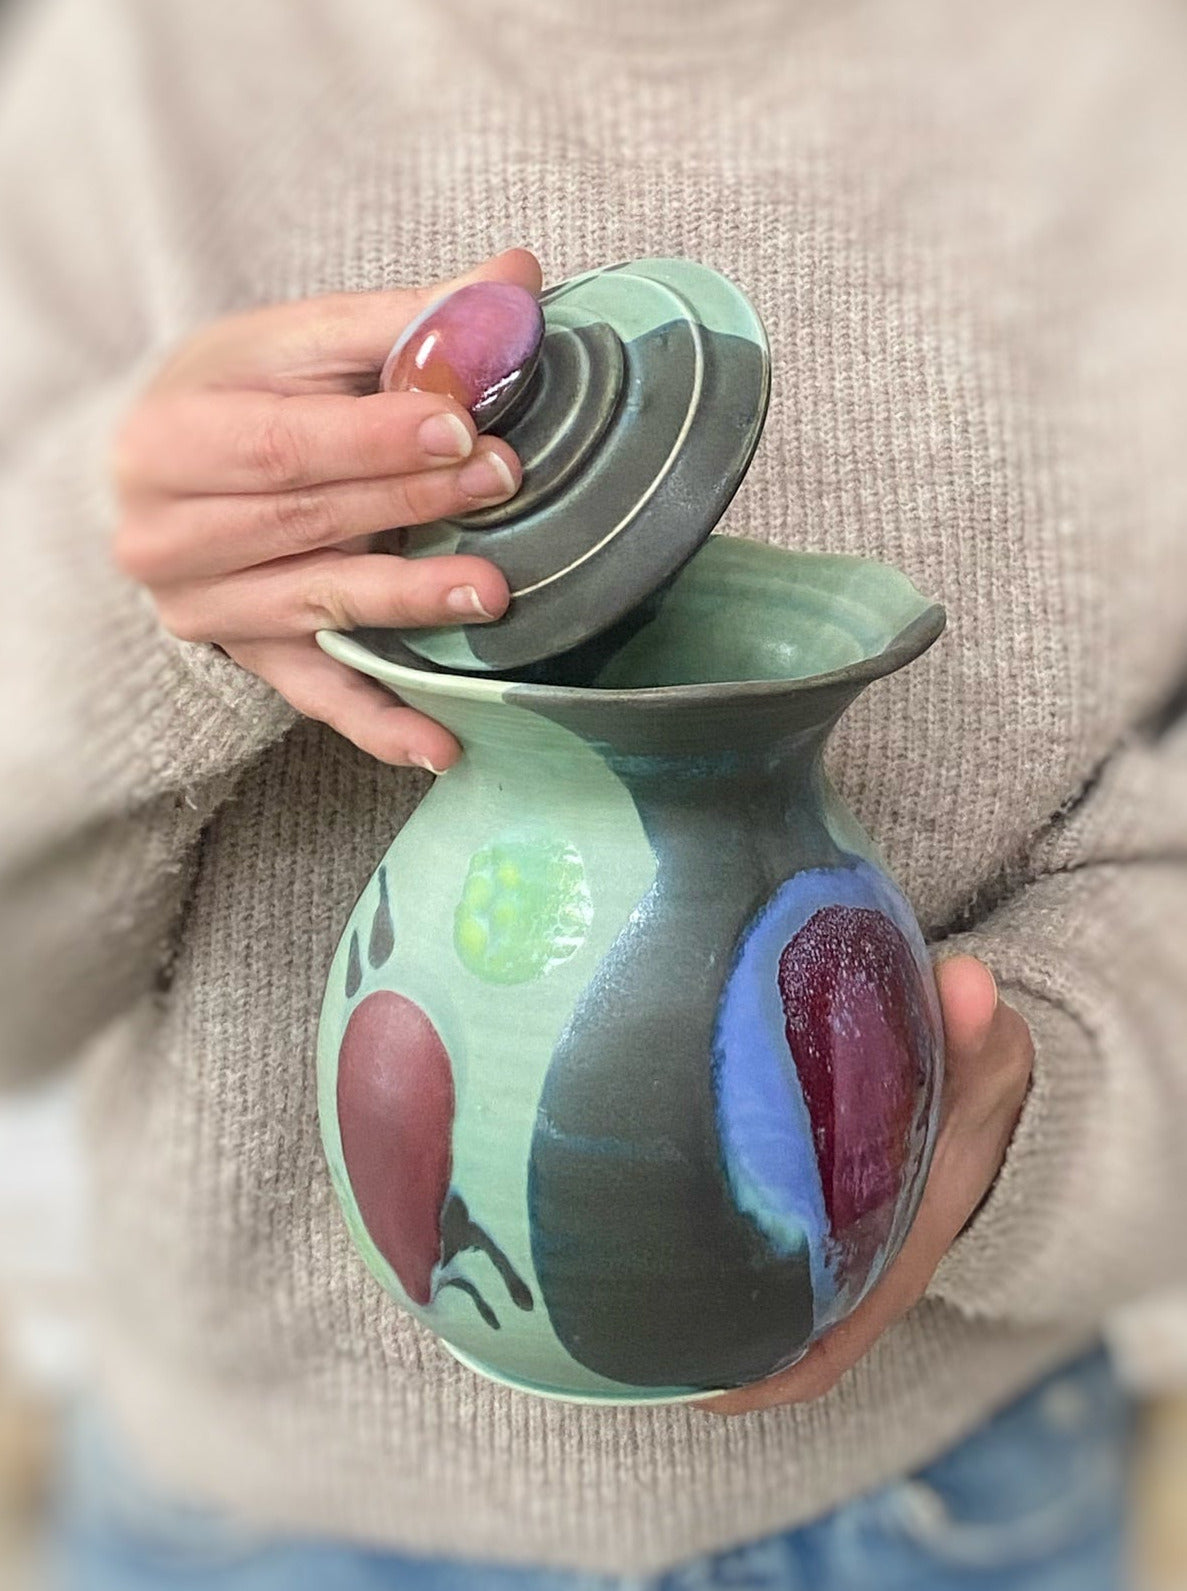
[[117, 741], [1088, 1209]]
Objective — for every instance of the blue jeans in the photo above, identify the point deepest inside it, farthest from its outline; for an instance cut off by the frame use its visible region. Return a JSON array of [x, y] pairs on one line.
[[1034, 1501]]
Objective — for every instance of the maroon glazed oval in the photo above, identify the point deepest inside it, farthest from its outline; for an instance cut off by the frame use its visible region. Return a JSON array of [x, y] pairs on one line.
[[395, 1117]]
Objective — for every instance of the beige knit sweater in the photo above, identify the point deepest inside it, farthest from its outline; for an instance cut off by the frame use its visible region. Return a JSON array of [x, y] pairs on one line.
[[963, 227]]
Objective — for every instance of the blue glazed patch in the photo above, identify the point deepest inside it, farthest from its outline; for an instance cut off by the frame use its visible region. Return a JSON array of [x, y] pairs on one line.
[[762, 1118]]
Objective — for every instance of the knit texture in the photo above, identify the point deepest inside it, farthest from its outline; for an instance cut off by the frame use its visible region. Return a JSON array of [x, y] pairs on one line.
[[963, 229]]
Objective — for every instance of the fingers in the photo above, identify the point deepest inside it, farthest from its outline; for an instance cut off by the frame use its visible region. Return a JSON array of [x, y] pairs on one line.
[[202, 441], [519, 266], [988, 1064], [333, 343], [901, 1287], [932, 1232], [357, 708], [335, 591], [256, 473], [167, 541], [989, 1050], [838, 1351]]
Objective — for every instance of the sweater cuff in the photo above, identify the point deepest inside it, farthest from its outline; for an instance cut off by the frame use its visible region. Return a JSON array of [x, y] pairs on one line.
[[197, 713], [249, 707], [1002, 1262], [1082, 1213], [168, 715]]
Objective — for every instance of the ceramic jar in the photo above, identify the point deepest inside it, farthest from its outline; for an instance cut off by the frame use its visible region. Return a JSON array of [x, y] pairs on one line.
[[630, 1055]]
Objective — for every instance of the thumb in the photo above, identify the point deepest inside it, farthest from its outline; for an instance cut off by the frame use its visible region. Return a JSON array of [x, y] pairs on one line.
[[512, 265], [968, 996], [333, 343], [379, 318]]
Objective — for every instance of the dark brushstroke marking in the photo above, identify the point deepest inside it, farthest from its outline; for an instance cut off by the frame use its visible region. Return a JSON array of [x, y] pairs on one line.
[[650, 1273], [480, 1304], [354, 967], [459, 1232], [383, 934]]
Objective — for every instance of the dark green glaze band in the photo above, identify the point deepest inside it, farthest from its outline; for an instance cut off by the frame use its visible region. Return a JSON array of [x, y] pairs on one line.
[[656, 542], [710, 1302]]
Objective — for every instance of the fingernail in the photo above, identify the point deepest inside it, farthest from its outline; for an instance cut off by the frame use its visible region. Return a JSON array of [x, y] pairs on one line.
[[465, 599], [487, 478], [423, 762], [443, 436]]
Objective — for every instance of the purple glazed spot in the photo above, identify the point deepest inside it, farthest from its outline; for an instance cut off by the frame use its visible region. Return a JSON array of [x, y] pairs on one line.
[[859, 1030], [827, 1053], [478, 346]]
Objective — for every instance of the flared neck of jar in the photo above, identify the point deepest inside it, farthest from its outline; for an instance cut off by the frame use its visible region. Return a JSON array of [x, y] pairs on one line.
[[749, 650], [679, 732]]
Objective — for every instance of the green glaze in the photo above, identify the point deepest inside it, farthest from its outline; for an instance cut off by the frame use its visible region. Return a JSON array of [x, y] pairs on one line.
[[809, 616], [500, 1031], [574, 874], [525, 908]]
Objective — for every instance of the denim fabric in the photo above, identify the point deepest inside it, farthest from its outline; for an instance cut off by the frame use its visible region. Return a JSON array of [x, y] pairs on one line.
[[1034, 1501]]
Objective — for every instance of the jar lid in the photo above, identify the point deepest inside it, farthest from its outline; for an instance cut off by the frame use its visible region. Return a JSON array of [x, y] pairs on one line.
[[634, 432]]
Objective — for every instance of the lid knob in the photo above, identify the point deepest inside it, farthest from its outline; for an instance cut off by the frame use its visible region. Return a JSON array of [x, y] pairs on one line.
[[478, 345]]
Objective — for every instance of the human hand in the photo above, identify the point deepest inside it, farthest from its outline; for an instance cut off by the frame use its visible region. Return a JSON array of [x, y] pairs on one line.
[[258, 472], [989, 1059]]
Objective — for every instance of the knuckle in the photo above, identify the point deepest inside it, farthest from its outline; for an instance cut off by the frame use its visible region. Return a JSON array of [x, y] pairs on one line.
[[272, 452], [325, 605], [181, 620], [302, 518], [418, 499], [409, 599]]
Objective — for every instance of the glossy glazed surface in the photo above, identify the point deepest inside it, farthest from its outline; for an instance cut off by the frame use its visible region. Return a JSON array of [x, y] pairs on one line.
[[478, 346]]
